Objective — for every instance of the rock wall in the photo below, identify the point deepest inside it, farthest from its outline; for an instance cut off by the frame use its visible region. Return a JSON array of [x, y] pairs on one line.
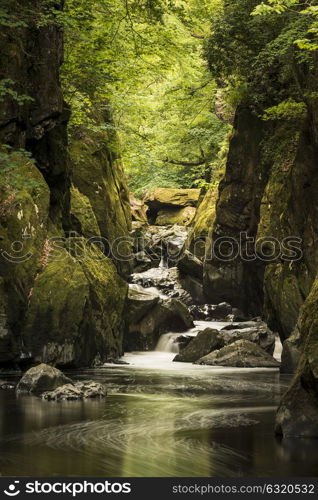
[[62, 299], [269, 193]]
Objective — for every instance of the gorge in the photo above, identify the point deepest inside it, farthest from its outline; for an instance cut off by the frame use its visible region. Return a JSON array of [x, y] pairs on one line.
[[127, 276]]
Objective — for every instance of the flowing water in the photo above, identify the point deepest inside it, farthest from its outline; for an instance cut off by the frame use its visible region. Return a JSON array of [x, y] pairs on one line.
[[160, 419]]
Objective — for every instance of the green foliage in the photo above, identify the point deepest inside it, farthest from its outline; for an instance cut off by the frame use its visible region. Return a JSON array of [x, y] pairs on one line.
[[282, 6], [257, 56], [144, 60], [12, 177], [6, 90], [286, 110]]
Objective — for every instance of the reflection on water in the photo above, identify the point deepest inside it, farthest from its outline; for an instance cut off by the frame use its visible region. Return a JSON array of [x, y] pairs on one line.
[[159, 419]]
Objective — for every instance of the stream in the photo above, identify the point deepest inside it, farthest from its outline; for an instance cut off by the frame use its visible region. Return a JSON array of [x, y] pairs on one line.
[[160, 418]]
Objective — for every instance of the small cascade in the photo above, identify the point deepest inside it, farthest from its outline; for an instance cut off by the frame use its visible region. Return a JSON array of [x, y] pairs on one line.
[[167, 343], [278, 349]]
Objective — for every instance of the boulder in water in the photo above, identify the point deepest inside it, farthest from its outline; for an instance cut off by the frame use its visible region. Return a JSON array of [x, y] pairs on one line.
[[202, 344], [256, 332], [87, 389], [240, 354], [42, 378], [5, 385]]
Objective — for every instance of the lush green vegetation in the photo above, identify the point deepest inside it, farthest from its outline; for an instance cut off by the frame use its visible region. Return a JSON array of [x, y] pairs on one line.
[[144, 61]]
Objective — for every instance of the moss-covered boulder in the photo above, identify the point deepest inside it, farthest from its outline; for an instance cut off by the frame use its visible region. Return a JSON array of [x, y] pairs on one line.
[[165, 197], [75, 315]]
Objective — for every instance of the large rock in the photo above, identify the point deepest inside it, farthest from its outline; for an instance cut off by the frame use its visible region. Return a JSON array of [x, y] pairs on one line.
[[140, 302], [291, 353], [169, 315], [76, 307], [42, 378], [201, 345], [241, 354], [87, 389], [68, 311], [172, 206], [179, 216], [256, 332], [297, 415], [164, 197]]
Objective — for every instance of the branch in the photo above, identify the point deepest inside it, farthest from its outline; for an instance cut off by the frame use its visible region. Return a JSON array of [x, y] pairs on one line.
[[202, 161], [196, 35]]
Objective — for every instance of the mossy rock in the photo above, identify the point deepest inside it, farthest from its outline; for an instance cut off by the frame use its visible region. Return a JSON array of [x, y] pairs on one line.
[[83, 217], [297, 415], [24, 222], [75, 315], [98, 175], [166, 197], [201, 232]]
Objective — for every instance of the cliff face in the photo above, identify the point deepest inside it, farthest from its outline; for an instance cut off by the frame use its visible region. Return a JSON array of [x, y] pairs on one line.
[[269, 193], [62, 299]]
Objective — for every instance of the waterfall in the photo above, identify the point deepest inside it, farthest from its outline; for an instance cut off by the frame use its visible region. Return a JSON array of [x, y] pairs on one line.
[[167, 343]]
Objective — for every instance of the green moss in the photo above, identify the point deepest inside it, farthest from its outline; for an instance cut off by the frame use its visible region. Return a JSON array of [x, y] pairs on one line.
[[99, 177], [83, 217], [76, 309]]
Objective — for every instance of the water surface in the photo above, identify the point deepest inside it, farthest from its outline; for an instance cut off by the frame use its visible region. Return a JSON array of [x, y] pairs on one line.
[[160, 419]]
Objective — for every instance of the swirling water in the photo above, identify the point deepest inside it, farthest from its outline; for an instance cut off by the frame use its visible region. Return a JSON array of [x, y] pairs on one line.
[[160, 419]]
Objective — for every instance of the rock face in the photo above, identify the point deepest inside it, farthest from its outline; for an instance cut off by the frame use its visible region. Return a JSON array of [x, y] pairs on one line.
[[98, 175], [256, 332], [138, 209], [172, 206], [181, 217], [42, 378], [191, 262], [241, 354], [201, 345], [157, 245], [298, 411], [61, 298]]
